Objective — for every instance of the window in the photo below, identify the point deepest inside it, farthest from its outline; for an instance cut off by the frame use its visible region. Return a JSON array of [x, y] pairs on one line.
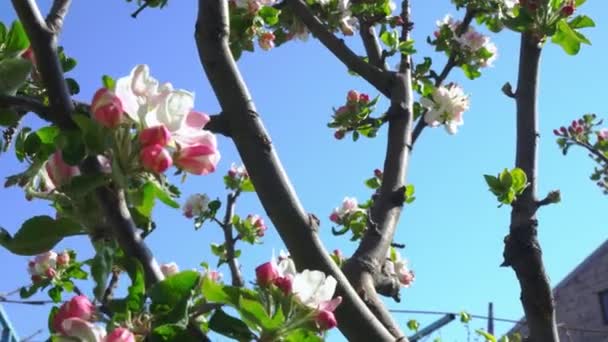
[[604, 305]]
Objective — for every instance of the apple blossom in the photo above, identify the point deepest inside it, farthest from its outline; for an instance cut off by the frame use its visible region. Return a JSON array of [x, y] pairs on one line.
[[398, 267], [258, 223], [326, 320], [348, 207], [39, 267], [58, 172], [157, 135], [169, 269], [602, 134], [196, 205], [120, 335], [352, 96], [81, 330], [446, 106], [313, 288], [63, 259], [199, 159], [107, 108], [78, 307], [155, 158], [266, 41]]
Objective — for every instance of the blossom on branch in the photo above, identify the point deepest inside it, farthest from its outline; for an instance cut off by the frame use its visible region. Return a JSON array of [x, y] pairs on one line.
[[446, 106]]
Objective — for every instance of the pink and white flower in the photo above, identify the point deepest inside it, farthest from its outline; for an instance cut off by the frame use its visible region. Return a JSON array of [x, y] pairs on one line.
[[169, 269], [57, 172], [196, 205], [120, 335], [107, 108], [79, 307], [446, 106], [348, 207]]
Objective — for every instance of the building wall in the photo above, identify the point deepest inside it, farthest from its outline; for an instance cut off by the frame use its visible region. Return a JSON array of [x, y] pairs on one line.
[[577, 301]]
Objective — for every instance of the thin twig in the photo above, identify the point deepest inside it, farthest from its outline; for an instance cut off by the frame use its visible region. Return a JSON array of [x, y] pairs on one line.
[[233, 263]]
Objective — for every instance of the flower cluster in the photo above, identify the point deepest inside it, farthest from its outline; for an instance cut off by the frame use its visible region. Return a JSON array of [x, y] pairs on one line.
[[237, 178], [337, 257], [311, 288], [166, 120], [446, 106], [257, 223], [196, 205], [351, 216], [398, 267], [354, 116], [588, 133], [473, 49], [47, 265], [75, 318]]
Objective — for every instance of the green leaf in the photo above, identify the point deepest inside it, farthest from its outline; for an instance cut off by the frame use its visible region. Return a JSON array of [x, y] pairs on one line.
[[171, 296], [101, 266], [520, 180], [229, 326], [55, 293], [3, 33], [269, 14], [487, 336], [247, 186], [8, 117], [505, 179], [108, 82], [73, 86], [373, 183], [95, 137], [172, 332], [413, 325], [68, 64], [389, 38], [217, 293], [164, 196], [567, 38], [581, 21], [13, 73], [38, 235], [17, 39], [303, 335]]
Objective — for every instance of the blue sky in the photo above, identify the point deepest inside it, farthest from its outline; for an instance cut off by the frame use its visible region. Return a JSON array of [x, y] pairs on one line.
[[453, 231]]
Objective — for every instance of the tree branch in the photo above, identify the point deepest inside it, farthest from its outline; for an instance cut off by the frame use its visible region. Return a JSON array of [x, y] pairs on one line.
[[54, 20], [522, 248], [295, 226], [370, 72], [447, 68], [44, 43], [372, 45], [233, 263], [365, 265], [25, 104]]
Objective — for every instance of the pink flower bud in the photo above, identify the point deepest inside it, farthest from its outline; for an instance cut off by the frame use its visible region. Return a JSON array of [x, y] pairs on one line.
[[78, 307], [284, 283], [563, 130], [63, 259], [363, 98], [266, 273], [215, 275], [334, 217], [198, 159], [326, 320], [155, 158], [157, 135], [107, 108], [258, 223], [378, 173], [36, 278], [339, 135], [169, 269], [50, 273], [353, 96], [602, 134], [556, 132], [568, 10], [58, 171], [266, 41], [120, 335]]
